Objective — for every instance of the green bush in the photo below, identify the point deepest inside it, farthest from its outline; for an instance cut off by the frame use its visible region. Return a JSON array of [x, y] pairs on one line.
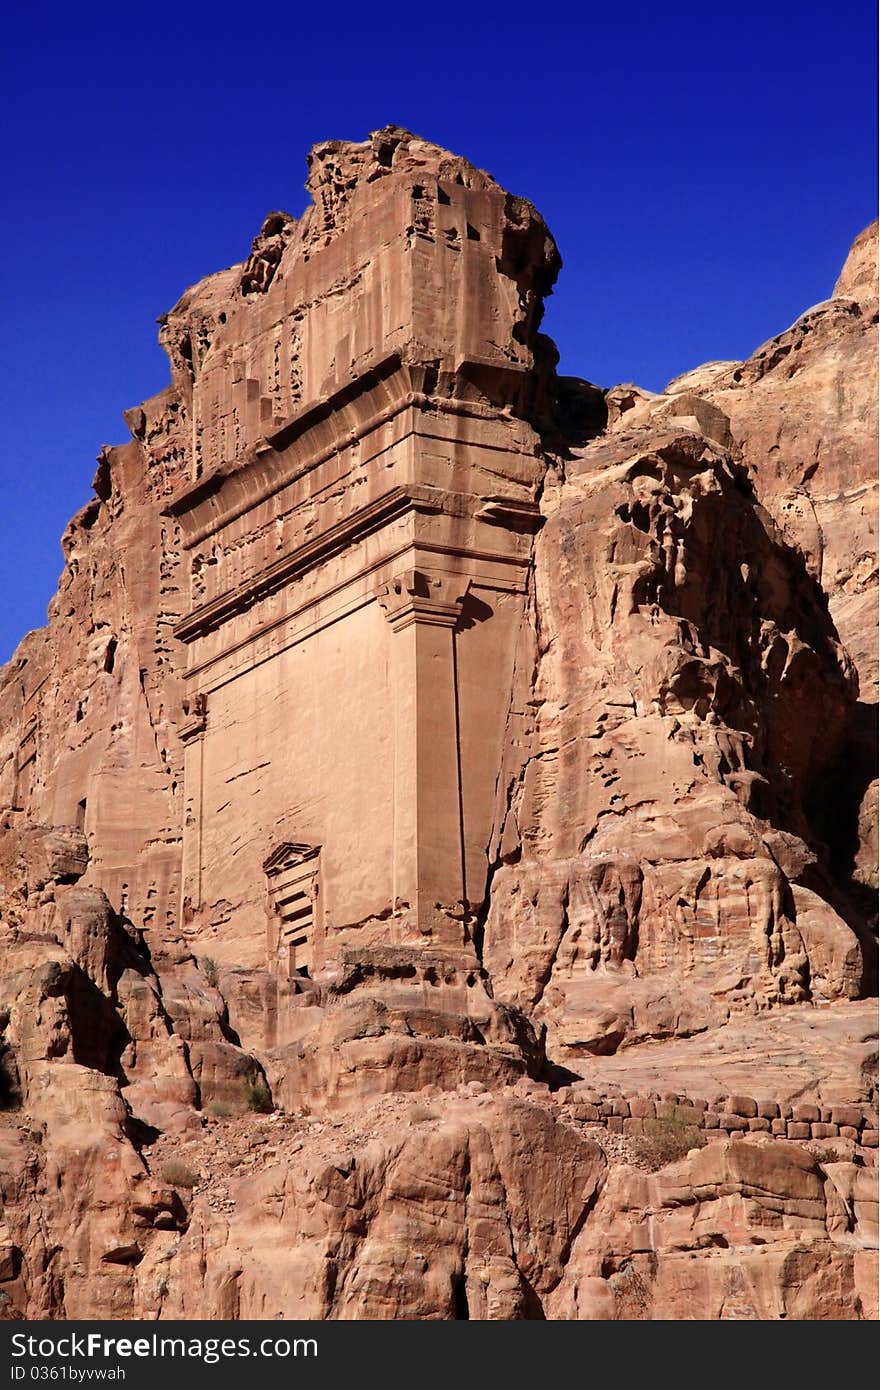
[[259, 1097]]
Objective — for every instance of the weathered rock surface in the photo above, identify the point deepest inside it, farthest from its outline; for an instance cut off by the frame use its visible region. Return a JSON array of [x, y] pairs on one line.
[[828, 1054], [657, 867], [489, 1206], [803, 410], [435, 823], [738, 1230]]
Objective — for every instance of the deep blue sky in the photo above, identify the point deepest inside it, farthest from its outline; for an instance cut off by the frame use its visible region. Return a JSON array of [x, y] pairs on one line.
[[704, 168]]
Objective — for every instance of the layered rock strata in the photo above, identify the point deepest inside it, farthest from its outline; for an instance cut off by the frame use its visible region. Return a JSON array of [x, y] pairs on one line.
[[435, 775]]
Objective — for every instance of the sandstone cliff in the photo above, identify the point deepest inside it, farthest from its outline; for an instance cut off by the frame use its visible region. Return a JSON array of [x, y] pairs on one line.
[[538, 719]]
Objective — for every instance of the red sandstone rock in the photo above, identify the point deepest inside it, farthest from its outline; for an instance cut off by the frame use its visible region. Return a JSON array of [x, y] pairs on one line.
[[639, 894], [722, 1242], [410, 726], [804, 411]]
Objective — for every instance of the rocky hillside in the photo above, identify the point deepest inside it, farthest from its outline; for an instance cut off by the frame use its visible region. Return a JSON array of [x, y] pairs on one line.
[[644, 1083]]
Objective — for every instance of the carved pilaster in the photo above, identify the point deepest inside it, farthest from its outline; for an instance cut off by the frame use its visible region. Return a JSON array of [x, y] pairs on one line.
[[423, 609], [192, 730], [195, 721], [418, 596]]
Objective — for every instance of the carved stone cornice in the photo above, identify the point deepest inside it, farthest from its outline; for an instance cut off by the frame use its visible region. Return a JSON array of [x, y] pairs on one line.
[[364, 522], [317, 433]]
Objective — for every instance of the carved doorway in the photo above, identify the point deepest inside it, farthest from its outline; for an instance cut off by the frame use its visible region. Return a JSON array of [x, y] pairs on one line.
[[293, 887]]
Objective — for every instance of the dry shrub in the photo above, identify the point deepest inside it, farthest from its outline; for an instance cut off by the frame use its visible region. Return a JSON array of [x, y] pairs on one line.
[[220, 1109], [211, 970], [176, 1174], [665, 1141], [421, 1114]]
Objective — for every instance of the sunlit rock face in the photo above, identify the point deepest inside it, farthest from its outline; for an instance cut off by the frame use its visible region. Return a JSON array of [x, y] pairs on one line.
[[436, 818]]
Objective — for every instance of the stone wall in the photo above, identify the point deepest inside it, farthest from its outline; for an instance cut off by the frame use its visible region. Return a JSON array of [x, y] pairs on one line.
[[723, 1117]]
